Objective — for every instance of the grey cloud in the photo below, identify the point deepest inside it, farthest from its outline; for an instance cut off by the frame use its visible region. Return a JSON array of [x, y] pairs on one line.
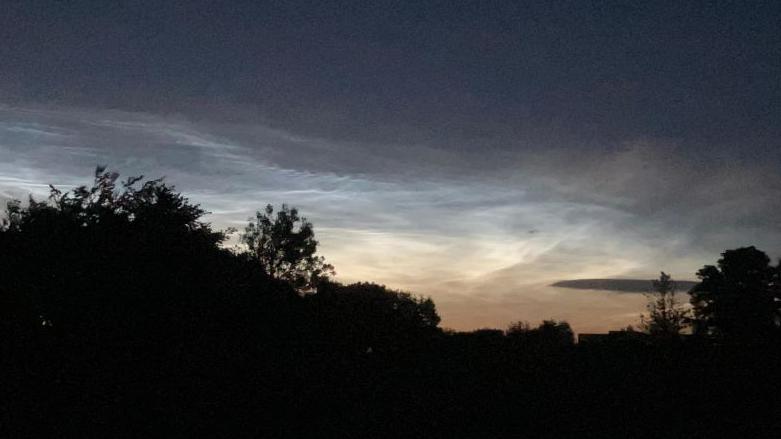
[[619, 285]]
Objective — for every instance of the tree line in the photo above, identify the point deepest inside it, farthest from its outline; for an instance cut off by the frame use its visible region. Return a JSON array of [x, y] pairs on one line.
[[123, 313]]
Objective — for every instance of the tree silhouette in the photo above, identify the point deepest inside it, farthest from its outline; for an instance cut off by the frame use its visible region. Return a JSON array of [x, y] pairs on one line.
[[60, 255], [121, 315], [518, 328], [285, 246], [367, 315], [117, 297], [739, 297], [666, 317], [551, 333]]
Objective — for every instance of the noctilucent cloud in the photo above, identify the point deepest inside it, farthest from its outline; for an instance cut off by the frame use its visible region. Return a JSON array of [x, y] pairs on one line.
[[476, 153]]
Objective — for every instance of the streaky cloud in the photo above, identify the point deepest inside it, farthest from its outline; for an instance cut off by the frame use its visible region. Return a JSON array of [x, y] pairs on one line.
[[618, 285]]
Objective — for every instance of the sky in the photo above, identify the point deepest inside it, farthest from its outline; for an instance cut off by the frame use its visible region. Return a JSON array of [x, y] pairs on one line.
[[476, 152]]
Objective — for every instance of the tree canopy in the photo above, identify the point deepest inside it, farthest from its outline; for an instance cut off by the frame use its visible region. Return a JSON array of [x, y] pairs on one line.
[[284, 244], [739, 297], [99, 254], [551, 333], [367, 315]]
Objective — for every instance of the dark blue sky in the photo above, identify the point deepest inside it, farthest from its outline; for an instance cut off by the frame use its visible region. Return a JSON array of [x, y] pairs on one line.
[[474, 151], [548, 72]]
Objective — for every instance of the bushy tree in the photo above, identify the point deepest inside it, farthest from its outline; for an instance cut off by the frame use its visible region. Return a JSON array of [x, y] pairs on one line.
[[81, 256], [518, 327], [551, 333], [117, 298], [666, 317], [739, 297], [284, 244], [366, 314]]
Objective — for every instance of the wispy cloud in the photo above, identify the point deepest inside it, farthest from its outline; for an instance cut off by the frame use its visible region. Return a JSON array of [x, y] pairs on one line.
[[485, 245]]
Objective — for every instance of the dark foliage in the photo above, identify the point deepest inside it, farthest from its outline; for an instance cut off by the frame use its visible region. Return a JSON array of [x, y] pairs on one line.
[[740, 298], [666, 317], [285, 247], [122, 316], [549, 335], [370, 318]]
